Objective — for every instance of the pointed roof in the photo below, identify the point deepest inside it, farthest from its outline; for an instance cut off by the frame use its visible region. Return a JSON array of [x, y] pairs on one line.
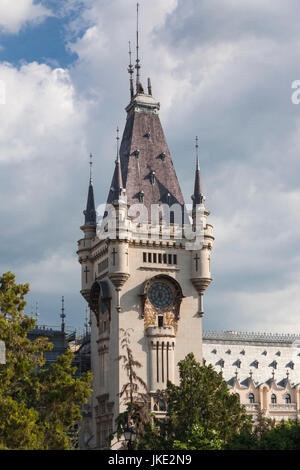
[[145, 161], [117, 180], [198, 195], [90, 212]]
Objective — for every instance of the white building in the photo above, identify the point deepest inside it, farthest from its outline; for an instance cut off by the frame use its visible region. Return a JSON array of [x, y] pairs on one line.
[[263, 369]]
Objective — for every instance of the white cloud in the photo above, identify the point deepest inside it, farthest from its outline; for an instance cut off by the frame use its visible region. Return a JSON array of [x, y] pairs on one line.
[[59, 273], [14, 14], [222, 71]]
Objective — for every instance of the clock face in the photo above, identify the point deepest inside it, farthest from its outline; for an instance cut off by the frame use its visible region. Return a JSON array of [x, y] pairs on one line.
[[160, 295]]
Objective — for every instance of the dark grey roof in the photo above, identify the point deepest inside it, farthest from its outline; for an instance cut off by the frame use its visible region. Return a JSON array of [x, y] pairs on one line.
[[90, 213], [146, 163], [197, 196]]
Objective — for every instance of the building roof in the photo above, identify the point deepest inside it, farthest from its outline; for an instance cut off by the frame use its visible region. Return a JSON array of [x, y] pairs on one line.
[[90, 213], [146, 163], [250, 337]]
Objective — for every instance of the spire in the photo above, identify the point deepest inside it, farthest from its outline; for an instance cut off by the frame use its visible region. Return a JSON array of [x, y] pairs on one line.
[[91, 168], [198, 195], [62, 315], [130, 71], [139, 88], [117, 183], [90, 213]]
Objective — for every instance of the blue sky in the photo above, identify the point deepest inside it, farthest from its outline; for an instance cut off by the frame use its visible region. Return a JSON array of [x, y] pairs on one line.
[[221, 69]]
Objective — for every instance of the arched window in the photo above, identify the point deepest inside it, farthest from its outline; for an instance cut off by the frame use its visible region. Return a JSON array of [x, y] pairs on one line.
[[161, 405], [288, 398], [251, 398], [273, 398]]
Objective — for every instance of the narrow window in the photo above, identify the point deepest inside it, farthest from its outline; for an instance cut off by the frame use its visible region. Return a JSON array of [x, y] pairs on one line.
[[145, 257], [165, 257], [154, 257], [174, 259], [162, 363], [160, 321], [288, 399], [157, 363], [159, 258], [251, 398], [169, 259], [273, 399], [149, 257], [167, 361]]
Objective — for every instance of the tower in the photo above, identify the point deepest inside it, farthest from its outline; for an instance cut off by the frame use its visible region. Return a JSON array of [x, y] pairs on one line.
[[145, 267]]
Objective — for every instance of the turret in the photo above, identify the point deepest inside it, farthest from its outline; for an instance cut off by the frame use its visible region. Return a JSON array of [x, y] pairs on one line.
[[203, 241], [90, 223], [84, 245]]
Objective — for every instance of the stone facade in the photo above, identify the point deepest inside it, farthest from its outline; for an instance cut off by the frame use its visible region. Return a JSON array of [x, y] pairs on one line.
[[263, 369]]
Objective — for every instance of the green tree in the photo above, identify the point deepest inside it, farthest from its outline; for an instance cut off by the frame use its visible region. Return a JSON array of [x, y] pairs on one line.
[[282, 436], [39, 407], [202, 413]]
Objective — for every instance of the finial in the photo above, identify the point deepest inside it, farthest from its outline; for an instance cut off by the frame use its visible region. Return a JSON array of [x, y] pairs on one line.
[[130, 71], [62, 315], [197, 154], [149, 87], [137, 65], [117, 139], [91, 167]]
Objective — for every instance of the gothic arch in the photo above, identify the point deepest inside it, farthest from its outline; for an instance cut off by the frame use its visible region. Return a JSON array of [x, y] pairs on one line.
[[100, 291]]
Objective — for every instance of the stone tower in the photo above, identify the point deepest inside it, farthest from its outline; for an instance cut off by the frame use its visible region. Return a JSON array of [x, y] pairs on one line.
[[145, 267]]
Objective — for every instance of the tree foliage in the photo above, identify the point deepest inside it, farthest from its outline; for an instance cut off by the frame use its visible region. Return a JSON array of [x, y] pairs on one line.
[[202, 413], [39, 407], [283, 436]]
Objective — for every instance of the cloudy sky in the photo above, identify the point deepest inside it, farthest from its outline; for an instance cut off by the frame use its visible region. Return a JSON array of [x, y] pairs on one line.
[[222, 69]]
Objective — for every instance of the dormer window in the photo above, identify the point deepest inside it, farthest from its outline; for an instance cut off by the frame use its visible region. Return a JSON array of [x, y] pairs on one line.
[[238, 363], [255, 363], [251, 398], [288, 399], [273, 399], [141, 196], [152, 177]]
